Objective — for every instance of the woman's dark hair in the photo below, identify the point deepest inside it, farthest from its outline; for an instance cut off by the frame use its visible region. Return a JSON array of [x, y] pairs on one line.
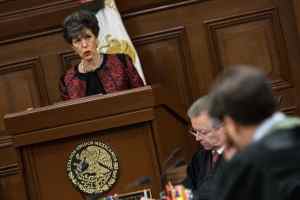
[[77, 21]]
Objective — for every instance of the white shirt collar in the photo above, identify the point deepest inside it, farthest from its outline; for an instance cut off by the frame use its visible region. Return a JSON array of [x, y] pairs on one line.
[[220, 150], [264, 128]]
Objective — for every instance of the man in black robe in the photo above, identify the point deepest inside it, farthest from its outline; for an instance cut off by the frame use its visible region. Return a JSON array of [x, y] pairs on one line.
[[205, 163], [267, 165]]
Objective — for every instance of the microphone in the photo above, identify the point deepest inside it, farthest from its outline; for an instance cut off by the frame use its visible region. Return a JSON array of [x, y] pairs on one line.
[[141, 181], [179, 163], [164, 176], [170, 158]]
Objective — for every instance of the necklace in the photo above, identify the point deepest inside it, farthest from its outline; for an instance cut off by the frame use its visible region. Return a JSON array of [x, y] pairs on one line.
[[85, 69]]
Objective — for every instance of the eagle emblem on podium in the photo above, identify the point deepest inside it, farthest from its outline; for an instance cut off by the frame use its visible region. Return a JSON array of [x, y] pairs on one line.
[[93, 167]]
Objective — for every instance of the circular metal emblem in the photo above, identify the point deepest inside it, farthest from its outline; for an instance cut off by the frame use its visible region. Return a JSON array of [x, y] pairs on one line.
[[93, 167]]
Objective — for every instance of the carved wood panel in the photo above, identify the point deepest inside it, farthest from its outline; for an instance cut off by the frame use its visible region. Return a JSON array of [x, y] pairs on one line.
[[46, 163], [254, 39], [21, 86]]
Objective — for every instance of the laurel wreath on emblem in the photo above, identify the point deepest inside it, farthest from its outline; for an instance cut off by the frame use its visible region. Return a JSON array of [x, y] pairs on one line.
[[93, 167]]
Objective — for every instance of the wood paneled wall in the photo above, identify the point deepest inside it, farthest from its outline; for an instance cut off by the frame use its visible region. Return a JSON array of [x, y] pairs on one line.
[[183, 45]]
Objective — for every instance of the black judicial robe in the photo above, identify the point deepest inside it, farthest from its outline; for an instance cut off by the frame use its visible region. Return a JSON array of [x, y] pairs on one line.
[[266, 170], [201, 176]]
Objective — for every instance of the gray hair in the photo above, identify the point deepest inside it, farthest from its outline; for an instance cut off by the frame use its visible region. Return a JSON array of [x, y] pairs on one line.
[[215, 123], [199, 106], [203, 105]]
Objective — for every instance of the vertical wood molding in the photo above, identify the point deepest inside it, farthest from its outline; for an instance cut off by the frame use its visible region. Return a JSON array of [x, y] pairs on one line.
[[30, 174], [184, 72]]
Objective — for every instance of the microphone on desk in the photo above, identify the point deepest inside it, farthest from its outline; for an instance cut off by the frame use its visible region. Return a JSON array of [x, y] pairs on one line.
[[167, 180], [171, 162], [140, 181], [171, 158], [144, 180], [177, 163]]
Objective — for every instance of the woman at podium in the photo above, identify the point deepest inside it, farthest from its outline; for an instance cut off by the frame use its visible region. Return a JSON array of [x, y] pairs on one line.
[[97, 73]]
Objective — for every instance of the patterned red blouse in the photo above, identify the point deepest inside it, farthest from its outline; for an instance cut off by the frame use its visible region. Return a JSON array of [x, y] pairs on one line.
[[115, 74]]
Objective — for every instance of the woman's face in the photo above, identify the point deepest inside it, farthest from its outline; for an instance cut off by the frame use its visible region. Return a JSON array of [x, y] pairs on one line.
[[85, 45]]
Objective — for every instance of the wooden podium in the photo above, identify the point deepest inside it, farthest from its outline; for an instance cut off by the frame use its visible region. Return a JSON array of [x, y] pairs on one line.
[[129, 122]]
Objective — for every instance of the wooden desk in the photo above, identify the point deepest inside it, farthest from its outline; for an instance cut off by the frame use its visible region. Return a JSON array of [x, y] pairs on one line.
[[129, 122]]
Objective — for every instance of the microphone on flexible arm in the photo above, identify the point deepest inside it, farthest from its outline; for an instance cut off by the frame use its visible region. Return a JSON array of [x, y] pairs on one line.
[[140, 181], [170, 175], [171, 170], [171, 163], [145, 180], [179, 163], [170, 158]]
